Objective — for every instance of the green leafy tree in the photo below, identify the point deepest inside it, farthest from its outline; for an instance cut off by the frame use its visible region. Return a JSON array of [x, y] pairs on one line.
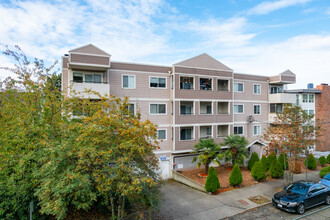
[[207, 151], [283, 159], [328, 158], [264, 163], [254, 158], [270, 158], [324, 171], [235, 178], [276, 170], [311, 162], [294, 130], [68, 164], [236, 149], [258, 172], [322, 160], [212, 183]]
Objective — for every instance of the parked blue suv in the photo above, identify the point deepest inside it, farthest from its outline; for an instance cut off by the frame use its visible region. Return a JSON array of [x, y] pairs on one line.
[[301, 195]]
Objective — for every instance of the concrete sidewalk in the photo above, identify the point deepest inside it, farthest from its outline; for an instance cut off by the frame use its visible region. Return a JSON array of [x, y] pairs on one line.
[[182, 202]]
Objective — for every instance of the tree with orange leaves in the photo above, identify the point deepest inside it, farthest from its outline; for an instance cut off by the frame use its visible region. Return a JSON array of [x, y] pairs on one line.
[[292, 132]]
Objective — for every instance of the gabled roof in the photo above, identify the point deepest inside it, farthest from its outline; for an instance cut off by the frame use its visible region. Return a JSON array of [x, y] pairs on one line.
[[256, 141], [288, 73], [203, 61], [89, 49]]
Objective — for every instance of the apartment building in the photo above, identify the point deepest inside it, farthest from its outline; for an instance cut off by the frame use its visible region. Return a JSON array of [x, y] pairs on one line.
[[197, 98]]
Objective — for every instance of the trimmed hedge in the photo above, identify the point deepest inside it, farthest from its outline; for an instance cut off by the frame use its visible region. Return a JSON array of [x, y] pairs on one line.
[[212, 181], [235, 178], [322, 160], [328, 158], [258, 172], [281, 160], [254, 158], [264, 162], [311, 162], [270, 158], [324, 171], [276, 170]]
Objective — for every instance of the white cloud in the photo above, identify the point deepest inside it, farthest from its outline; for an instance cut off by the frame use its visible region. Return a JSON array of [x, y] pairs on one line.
[[307, 56], [270, 6]]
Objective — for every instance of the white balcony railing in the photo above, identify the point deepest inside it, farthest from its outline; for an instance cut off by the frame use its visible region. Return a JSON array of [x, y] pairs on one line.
[[282, 98], [102, 88]]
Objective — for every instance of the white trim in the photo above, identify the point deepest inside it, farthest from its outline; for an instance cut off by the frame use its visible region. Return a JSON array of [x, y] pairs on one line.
[[206, 113], [237, 86], [259, 130], [205, 100], [200, 75], [259, 109], [158, 78], [122, 81], [181, 151], [165, 134], [253, 101], [142, 64], [136, 71], [164, 125], [158, 104], [255, 84], [87, 64], [90, 54], [248, 80], [149, 99], [238, 113], [193, 83], [193, 132], [238, 126], [205, 124], [162, 152], [135, 105], [203, 68]]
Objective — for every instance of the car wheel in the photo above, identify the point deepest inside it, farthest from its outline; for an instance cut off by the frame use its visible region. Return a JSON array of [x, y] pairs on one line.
[[327, 200], [301, 209]]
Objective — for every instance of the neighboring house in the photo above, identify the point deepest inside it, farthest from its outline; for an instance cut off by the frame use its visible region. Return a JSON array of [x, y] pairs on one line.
[[305, 98], [322, 110], [196, 98]]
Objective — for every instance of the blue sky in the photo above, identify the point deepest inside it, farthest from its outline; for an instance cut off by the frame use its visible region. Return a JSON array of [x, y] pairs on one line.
[[249, 36]]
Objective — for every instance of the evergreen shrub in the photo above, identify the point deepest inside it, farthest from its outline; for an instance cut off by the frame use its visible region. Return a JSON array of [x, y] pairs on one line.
[[328, 158], [311, 162], [276, 170], [324, 171], [258, 172], [322, 161], [264, 162], [281, 160], [254, 158], [235, 178], [212, 181], [270, 158]]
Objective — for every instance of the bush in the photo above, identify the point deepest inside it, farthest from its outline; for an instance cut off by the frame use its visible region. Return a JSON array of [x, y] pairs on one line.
[[276, 170], [311, 162], [264, 163], [322, 161], [270, 158], [258, 172], [297, 168], [281, 160], [254, 158], [235, 178], [328, 158], [212, 181], [324, 171]]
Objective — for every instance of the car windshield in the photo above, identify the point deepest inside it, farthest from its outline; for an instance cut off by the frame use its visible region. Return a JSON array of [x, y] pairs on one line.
[[299, 189], [327, 177]]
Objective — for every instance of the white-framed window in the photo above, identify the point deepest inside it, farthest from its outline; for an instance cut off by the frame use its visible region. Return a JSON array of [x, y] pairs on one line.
[[311, 112], [186, 133], [256, 109], [223, 130], [78, 77], [238, 87], [311, 98], [257, 89], [161, 134], [205, 108], [205, 84], [128, 81], [157, 82], [93, 78], [186, 107], [131, 108], [205, 132], [297, 99], [305, 97], [157, 109], [239, 130], [256, 130], [238, 109], [186, 82]]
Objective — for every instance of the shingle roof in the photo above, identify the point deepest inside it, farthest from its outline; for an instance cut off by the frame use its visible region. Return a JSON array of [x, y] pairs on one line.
[[89, 49]]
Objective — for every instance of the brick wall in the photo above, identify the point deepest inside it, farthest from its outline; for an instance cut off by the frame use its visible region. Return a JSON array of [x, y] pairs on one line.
[[322, 112]]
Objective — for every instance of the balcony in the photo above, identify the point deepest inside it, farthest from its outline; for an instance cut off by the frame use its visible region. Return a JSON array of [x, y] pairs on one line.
[[282, 98], [101, 88]]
